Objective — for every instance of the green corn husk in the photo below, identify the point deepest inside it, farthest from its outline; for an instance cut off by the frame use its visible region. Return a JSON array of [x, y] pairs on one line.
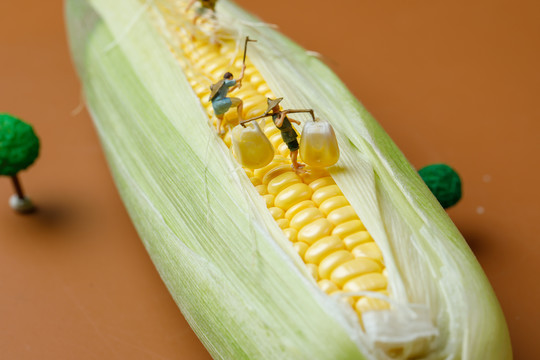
[[230, 269]]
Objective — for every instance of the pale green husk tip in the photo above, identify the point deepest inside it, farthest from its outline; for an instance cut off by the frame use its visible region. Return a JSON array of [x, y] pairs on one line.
[[223, 258]]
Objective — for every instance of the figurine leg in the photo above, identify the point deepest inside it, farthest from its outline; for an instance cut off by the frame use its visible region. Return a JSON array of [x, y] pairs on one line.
[[294, 159], [239, 107], [219, 125]]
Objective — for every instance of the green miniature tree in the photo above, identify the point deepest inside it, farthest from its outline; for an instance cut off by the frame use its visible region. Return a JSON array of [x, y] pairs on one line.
[[444, 182], [19, 148]]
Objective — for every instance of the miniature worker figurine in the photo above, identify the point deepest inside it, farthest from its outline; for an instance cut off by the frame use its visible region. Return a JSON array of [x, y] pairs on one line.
[[206, 6], [220, 102], [283, 123]]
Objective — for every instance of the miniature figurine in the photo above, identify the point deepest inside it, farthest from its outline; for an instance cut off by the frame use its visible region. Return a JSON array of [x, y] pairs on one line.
[[220, 102], [219, 90], [288, 134], [206, 6], [19, 148]]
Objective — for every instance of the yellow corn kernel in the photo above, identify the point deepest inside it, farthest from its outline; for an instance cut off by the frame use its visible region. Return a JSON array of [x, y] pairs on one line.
[[269, 200], [261, 189], [319, 146], [314, 174], [300, 248], [349, 300], [276, 212], [313, 270], [227, 139], [342, 214], [325, 193], [333, 203], [353, 240], [292, 195], [207, 56], [368, 250], [327, 286], [283, 149], [231, 118], [255, 181], [332, 261], [269, 123], [295, 209], [369, 304], [253, 111], [348, 228], [201, 88], [269, 131], [250, 147], [246, 91], [276, 171], [322, 248], [352, 269], [278, 159], [321, 182], [283, 181], [291, 234], [254, 100], [209, 62], [276, 139], [256, 79], [263, 88], [315, 231], [283, 223], [368, 282], [306, 216], [250, 70]]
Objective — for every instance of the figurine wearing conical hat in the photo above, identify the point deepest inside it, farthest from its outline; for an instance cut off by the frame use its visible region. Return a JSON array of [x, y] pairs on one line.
[[288, 134], [206, 6], [220, 102]]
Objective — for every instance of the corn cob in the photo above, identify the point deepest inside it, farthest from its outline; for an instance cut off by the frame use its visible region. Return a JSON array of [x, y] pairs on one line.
[[226, 240], [310, 207]]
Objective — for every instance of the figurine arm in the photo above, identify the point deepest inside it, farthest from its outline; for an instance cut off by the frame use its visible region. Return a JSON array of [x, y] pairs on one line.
[[242, 73], [279, 121], [295, 121], [235, 86], [238, 84]]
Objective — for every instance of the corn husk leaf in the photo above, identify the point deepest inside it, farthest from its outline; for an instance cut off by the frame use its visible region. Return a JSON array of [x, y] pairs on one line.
[[225, 261]]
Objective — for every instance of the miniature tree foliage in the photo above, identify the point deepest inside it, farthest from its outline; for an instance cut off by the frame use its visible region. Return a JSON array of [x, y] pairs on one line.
[[19, 145], [444, 182]]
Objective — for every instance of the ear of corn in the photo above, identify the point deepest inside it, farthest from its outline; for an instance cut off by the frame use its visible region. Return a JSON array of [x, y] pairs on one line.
[[224, 251]]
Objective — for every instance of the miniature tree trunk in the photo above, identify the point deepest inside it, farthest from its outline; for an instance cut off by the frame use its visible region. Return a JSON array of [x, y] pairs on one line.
[[18, 187]]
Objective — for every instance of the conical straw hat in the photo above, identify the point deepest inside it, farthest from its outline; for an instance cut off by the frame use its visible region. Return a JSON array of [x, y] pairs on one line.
[[214, 88], [271, 104]]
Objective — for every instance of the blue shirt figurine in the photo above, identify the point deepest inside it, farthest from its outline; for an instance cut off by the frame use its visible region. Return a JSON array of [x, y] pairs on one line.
[[220, 102]]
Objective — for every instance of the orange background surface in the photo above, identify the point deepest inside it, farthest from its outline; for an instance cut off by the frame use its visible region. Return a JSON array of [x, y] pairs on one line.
[[451, 81]]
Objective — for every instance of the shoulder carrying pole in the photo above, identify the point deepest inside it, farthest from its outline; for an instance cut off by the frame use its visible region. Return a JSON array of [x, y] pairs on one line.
[[292, 111]]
